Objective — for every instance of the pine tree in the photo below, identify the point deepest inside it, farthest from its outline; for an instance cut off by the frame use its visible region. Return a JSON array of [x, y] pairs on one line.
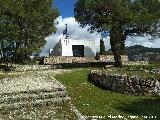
[[121, 17]]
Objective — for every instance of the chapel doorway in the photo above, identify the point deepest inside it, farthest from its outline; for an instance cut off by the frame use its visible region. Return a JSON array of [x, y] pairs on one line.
[[78, 50]]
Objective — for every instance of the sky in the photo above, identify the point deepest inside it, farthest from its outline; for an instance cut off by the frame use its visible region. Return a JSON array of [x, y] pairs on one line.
[[66, 9]]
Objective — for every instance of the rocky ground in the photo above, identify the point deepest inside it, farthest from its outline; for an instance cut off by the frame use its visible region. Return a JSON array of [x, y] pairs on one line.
[[34, 95]]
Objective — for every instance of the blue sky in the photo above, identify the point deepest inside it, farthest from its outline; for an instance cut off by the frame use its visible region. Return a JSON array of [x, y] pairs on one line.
[[66, 7]]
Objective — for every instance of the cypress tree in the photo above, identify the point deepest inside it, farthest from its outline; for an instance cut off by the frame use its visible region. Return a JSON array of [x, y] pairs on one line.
[[102, 47]]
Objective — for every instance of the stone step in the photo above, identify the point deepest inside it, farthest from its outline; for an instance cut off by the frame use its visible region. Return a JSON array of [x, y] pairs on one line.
[[24, 97], [39, 102]]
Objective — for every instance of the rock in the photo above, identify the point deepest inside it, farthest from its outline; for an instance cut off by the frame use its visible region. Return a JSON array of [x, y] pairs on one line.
[[129, 81], [135, 80], [138, 89]]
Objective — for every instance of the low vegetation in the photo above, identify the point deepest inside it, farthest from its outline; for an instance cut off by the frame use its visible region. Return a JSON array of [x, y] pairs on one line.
[[93, 101]]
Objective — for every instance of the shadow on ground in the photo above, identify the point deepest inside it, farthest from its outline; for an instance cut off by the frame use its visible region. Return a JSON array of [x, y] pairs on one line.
[[143, 107]]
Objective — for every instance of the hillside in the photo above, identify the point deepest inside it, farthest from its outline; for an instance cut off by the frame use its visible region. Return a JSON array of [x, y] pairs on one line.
[[138, 49]]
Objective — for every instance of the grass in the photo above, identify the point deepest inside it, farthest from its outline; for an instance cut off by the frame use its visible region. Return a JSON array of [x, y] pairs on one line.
[[93, 101], [143, 71]]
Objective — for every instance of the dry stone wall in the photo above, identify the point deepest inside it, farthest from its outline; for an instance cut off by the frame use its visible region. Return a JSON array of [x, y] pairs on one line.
[[136, 63], [31, 67], [110, 58], [54, 60], [125, 84], [124, 58], [67, 59]]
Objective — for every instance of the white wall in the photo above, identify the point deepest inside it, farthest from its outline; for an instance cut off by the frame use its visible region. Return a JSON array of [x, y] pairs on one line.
[[89, 47], [64, 47]]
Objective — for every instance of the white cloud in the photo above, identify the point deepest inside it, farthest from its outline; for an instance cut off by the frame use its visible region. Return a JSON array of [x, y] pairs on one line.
[[144, 41], [76, 32]]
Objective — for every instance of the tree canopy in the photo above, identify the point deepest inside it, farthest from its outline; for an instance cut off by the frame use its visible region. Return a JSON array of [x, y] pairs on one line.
[[130, 14], [121, 17], [24, 24]]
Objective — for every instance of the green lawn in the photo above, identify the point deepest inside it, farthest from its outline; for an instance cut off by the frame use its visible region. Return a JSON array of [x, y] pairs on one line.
[[143, 71], [93, 101]]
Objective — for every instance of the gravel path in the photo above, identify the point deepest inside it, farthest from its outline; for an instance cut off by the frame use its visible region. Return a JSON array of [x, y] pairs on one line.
[[35, 84], [31, 81]]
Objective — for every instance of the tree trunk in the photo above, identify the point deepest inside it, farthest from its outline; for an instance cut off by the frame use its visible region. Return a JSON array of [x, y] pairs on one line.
[[117, 57], [116, 41]]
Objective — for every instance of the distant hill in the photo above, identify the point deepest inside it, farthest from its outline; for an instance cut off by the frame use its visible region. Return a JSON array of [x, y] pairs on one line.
[[141, 53], [139, 49]]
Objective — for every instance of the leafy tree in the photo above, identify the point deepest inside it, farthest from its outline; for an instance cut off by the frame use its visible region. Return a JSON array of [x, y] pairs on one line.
[[121, 17], [24, 25], [102, 47]]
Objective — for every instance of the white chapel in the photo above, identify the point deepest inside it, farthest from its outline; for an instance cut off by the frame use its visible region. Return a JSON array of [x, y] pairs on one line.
[[71, 47]]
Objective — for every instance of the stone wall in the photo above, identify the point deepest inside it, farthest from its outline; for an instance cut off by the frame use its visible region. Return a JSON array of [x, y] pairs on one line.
[[103, 58], [136, 63], [31, 67], [67, 59], [110, 58], [124, 58], [125, 84]]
